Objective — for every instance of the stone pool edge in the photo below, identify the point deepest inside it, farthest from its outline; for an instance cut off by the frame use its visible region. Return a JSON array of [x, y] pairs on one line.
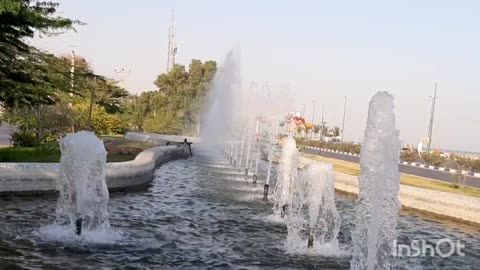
[[40, 178]]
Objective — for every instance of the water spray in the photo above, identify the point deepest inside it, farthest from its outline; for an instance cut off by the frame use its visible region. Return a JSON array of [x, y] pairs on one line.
[[256, 166], [83, 194], [269, 171], [242, 148], [379, 184]]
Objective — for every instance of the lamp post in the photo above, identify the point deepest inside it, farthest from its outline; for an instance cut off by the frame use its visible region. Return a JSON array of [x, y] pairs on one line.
[[343, 122]]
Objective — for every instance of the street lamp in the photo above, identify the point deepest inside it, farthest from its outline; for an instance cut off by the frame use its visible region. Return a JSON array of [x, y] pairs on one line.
[[313, 117], [122, 73], [343, 122]]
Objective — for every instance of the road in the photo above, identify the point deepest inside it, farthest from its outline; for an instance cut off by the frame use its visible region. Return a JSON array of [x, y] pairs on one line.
[[418, 171]]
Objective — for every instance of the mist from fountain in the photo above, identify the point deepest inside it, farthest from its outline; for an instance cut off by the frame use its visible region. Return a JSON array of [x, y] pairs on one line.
[[218, 115], [379, 184]]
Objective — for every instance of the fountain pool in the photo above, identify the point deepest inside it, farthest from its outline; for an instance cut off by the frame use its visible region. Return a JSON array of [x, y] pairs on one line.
[[192, 217]]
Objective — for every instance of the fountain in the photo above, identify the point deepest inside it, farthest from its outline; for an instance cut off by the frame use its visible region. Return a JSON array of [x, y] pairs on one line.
[[257, 160], [249, 148], [83, 198], [324, 220], [287, 189], [377, 211], [241, 151]]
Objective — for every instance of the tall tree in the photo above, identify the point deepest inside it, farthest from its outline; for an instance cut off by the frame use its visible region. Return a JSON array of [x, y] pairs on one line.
[[20, 64]]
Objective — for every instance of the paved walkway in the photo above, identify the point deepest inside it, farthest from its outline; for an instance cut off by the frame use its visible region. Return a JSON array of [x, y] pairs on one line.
[[5, 131]]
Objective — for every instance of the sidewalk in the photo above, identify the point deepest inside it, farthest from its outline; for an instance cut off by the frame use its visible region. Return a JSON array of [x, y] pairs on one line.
[[5, 131]]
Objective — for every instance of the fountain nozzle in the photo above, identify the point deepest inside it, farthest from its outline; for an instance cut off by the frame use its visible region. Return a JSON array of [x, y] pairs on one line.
[[78, 226], [284, 211], [310, 241], [265, 192]]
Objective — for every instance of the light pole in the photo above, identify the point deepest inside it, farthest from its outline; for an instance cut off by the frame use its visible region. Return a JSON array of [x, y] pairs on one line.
[[122, 73], [323, 124], [313, 113], [430, 128], [343, 122], [313, 118]]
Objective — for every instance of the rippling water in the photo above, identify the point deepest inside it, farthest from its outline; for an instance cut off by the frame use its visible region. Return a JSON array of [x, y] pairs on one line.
[[196, 217]]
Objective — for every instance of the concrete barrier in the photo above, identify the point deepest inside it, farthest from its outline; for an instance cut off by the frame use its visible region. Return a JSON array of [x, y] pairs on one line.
[[38, 178]]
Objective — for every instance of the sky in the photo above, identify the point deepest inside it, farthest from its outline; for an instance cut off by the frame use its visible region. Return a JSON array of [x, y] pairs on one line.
[[323, 50]]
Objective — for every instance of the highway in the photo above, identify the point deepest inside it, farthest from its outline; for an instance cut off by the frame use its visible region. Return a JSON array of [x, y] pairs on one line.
[[418, 171]]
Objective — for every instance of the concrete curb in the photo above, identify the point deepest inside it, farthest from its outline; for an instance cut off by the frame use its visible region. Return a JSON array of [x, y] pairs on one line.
[[443, 204], [439, 203], [158, 139]]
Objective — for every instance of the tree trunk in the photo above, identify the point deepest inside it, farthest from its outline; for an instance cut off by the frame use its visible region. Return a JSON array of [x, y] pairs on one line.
[[90, 110]]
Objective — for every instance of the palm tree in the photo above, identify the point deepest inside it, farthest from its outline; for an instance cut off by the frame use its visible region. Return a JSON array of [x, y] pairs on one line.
[[324, 130], [316, 129], [336, 131]]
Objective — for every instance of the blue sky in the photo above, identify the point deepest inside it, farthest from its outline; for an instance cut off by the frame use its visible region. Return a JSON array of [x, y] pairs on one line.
[[323, 49]]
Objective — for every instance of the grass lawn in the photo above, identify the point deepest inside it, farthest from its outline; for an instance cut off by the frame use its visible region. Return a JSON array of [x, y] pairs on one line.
[[405, 179], [118, 149]]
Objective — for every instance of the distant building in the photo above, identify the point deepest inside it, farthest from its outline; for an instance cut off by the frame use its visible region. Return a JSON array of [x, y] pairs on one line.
[[422, 145]]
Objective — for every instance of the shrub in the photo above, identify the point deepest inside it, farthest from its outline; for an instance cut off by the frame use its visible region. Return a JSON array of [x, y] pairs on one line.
[[162, 124], [103, 123], [24, 139]]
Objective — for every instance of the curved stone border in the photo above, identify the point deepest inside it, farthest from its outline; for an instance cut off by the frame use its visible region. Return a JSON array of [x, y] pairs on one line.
[[158, 139], [38, 178]]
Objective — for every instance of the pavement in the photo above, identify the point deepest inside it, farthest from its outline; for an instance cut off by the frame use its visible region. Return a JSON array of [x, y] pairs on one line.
[[418, 171], [5, 131]]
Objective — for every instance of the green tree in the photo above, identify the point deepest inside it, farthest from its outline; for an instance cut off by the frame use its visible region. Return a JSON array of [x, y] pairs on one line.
[[179, 99], [162, 123], [22, 66], [324, 130], [335, 131]]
